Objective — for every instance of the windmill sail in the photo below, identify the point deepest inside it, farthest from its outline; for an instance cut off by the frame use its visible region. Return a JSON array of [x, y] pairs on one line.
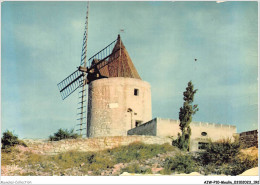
[[82, 92], [112, 61], [83, 60], [71, 83], [103, 57]]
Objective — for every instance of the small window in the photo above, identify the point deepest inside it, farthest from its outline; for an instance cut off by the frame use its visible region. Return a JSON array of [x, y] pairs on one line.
[[202, 145], [136, 92], [138, 123], [204, 133]]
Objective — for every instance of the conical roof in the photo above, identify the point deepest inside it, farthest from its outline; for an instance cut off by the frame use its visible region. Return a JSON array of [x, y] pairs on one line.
[[120, 63]]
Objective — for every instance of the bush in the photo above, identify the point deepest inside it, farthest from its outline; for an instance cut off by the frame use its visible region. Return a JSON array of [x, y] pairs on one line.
[[181, 163], [138, 151], [175, 143], [63, 134], [210, 169], [235, 167], [135, 168], [9, 140], [224, 157], [239, 165], [220, 152], [86, 161]]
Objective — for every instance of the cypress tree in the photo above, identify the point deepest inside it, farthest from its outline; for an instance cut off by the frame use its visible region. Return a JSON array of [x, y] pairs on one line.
[[185, 117]]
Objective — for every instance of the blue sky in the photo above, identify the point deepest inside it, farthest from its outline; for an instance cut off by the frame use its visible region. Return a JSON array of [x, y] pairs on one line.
[[41, 45]]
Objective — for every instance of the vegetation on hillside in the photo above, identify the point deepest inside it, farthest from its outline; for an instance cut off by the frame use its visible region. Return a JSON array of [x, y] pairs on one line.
[[138, 151], [83, 163], [185, 117], [9, 139], [223, 157], [181, 163], [221, 152], [136, 168], [63, 134]]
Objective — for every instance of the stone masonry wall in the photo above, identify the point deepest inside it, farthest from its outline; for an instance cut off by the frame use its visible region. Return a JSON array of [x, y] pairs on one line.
[[170, 127], [116, 104], [249, 138], [201, 131], [148, 128], [89, 144]]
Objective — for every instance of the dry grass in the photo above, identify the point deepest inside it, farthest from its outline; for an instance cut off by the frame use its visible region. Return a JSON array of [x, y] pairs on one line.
[[136, 158], [251, 152], [75, 162]]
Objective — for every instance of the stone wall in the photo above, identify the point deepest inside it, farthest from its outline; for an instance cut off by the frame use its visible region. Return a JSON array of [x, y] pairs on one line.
[[249, 138], [201, 131], [89, 144], [114, 108], [148, 128], [168, 127]]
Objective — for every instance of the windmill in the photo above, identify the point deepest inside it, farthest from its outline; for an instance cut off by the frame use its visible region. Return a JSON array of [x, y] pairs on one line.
[[88, 71]]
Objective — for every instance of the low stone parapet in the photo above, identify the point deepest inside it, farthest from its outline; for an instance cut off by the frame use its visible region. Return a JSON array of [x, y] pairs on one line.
[[89, 144]]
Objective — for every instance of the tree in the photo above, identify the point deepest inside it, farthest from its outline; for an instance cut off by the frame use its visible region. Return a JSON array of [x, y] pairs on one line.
[[185, 117], [9, 140], [63, 134]]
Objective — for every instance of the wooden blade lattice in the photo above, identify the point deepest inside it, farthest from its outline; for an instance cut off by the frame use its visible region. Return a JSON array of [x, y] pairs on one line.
[[104, 57], [71, 83]]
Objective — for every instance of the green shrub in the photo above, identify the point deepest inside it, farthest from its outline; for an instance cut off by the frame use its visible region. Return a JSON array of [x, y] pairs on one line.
[[209, 169], [220, 152], [138, 151], [239, 165], [224, 157], [181, 163], [87, 161], [135, 168], [63, 134], [236, 167], [148, 171], [9, 140], [175, 143], [84, 163]]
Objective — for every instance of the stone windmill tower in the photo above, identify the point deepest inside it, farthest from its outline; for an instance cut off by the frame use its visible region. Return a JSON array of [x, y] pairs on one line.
[[119, 100]]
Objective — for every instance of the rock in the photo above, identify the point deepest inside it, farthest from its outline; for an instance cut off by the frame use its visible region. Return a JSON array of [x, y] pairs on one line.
[[117, 168], [250, 172], [185, 174], [155, 170], [137, 174]]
